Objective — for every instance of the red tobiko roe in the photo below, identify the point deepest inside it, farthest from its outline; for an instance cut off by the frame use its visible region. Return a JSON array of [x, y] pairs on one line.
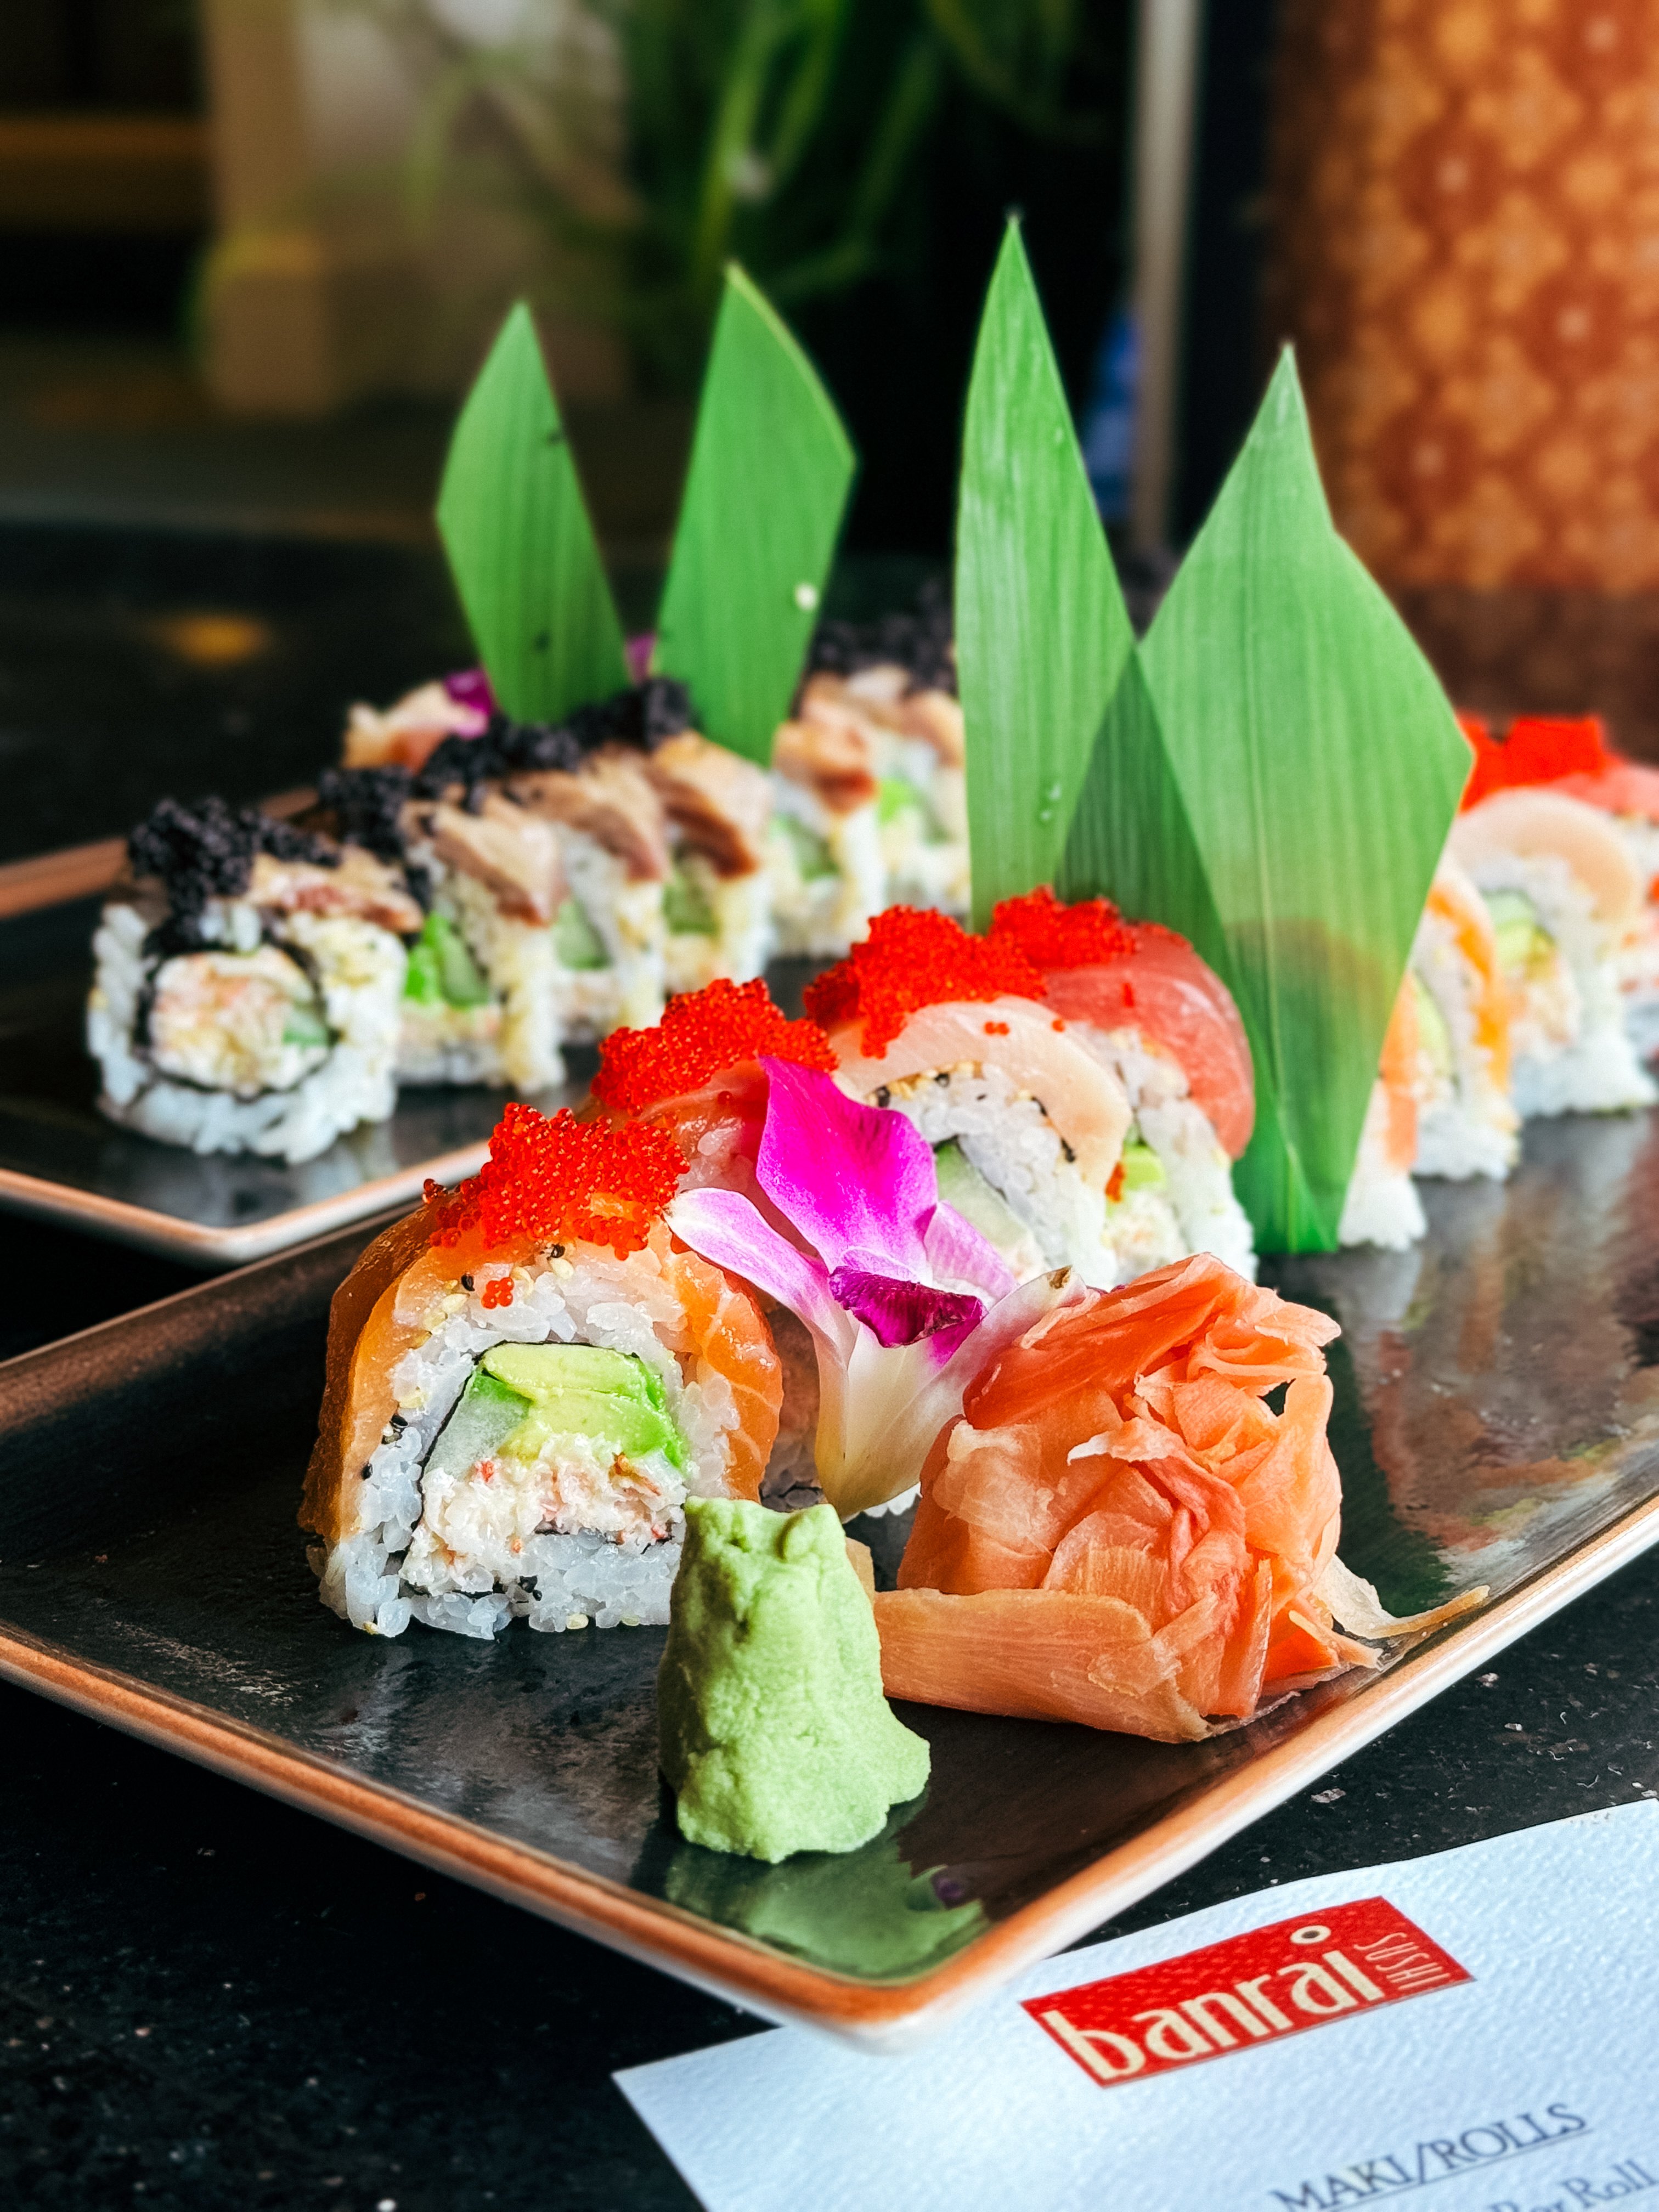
[[1051, 934], [1537, 749], [915, 958], [701, 1033], [562, 1181]]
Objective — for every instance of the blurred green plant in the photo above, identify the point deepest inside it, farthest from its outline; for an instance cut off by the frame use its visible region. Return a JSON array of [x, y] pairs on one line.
[[784, 133]]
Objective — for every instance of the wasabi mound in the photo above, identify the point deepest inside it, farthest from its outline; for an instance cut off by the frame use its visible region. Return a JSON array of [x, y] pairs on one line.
[[774, 1735]]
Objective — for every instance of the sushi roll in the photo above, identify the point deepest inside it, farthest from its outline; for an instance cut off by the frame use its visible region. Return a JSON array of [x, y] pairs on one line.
[[642, 843], [1566, 899], [526, 1380], [1467, 1124], [1139, 999], [1027, 1126], [248, 984], [718, 903], [697, 1076], [1381, 1206], [480, 999], [828, 877], [1573, 757], [892, 684]]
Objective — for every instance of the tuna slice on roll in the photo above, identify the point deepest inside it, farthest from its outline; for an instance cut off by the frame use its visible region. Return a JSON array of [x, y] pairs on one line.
[[1121, 1530], [1566, 901], [526, 1380], [248, 980], [1162, 1022]]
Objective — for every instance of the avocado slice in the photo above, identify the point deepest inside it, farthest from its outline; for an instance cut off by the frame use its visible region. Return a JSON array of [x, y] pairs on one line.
[[1140, 1167], [1524, 946], [575, 940], [582, 1389], [485, 1416]]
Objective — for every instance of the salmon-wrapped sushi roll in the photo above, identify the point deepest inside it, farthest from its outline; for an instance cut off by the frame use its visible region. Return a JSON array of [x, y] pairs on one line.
[[892, 683], [1140, 1000], [1027, 1126], [1121, 1530], [527, 1379]]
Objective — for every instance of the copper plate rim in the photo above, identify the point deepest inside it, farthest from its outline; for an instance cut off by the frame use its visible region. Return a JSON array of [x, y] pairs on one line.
[[175, 1237], [880, 2016]]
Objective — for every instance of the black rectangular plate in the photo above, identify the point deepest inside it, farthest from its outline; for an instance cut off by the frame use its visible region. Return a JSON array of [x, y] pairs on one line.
[[1496, 1422]]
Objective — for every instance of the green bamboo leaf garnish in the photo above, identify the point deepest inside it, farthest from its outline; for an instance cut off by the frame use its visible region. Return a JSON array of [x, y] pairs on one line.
[[771, 468], [521, 545], [1043, 635], [1319, 766]]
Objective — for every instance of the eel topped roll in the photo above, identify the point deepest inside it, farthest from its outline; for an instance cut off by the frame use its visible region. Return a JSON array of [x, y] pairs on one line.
[[248, 984], [526, 1380], [891, 686], [1140, 1000], [1565, 900], [1027, 1126]]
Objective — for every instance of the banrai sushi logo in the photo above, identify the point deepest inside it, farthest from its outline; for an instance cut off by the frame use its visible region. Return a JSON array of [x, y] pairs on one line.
[[1254, 1989]]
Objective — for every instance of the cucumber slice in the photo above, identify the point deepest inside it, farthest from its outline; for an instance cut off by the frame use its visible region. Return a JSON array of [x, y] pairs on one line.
[[485, 1416], [1140, 1168], [980, 1203], [897, 795], [303, 1024], [685, 908], [441, 968], [813, 860], [575, 939]]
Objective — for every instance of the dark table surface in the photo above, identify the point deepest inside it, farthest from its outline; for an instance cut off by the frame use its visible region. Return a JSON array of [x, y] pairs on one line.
[[207, 2000]]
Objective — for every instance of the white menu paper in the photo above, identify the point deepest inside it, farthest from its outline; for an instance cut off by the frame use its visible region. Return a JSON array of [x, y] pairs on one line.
[[1483, 2023]]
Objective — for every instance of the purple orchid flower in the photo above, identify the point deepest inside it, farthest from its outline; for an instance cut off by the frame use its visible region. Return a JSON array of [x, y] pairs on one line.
[[905, 1301], [471, 688]]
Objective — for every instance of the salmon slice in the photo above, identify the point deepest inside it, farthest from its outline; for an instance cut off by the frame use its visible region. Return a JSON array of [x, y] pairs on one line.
[[1084, 1102], [1624, 787], [392, 1298], [1119, 1529], [729, 1338], [1163, 989]]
